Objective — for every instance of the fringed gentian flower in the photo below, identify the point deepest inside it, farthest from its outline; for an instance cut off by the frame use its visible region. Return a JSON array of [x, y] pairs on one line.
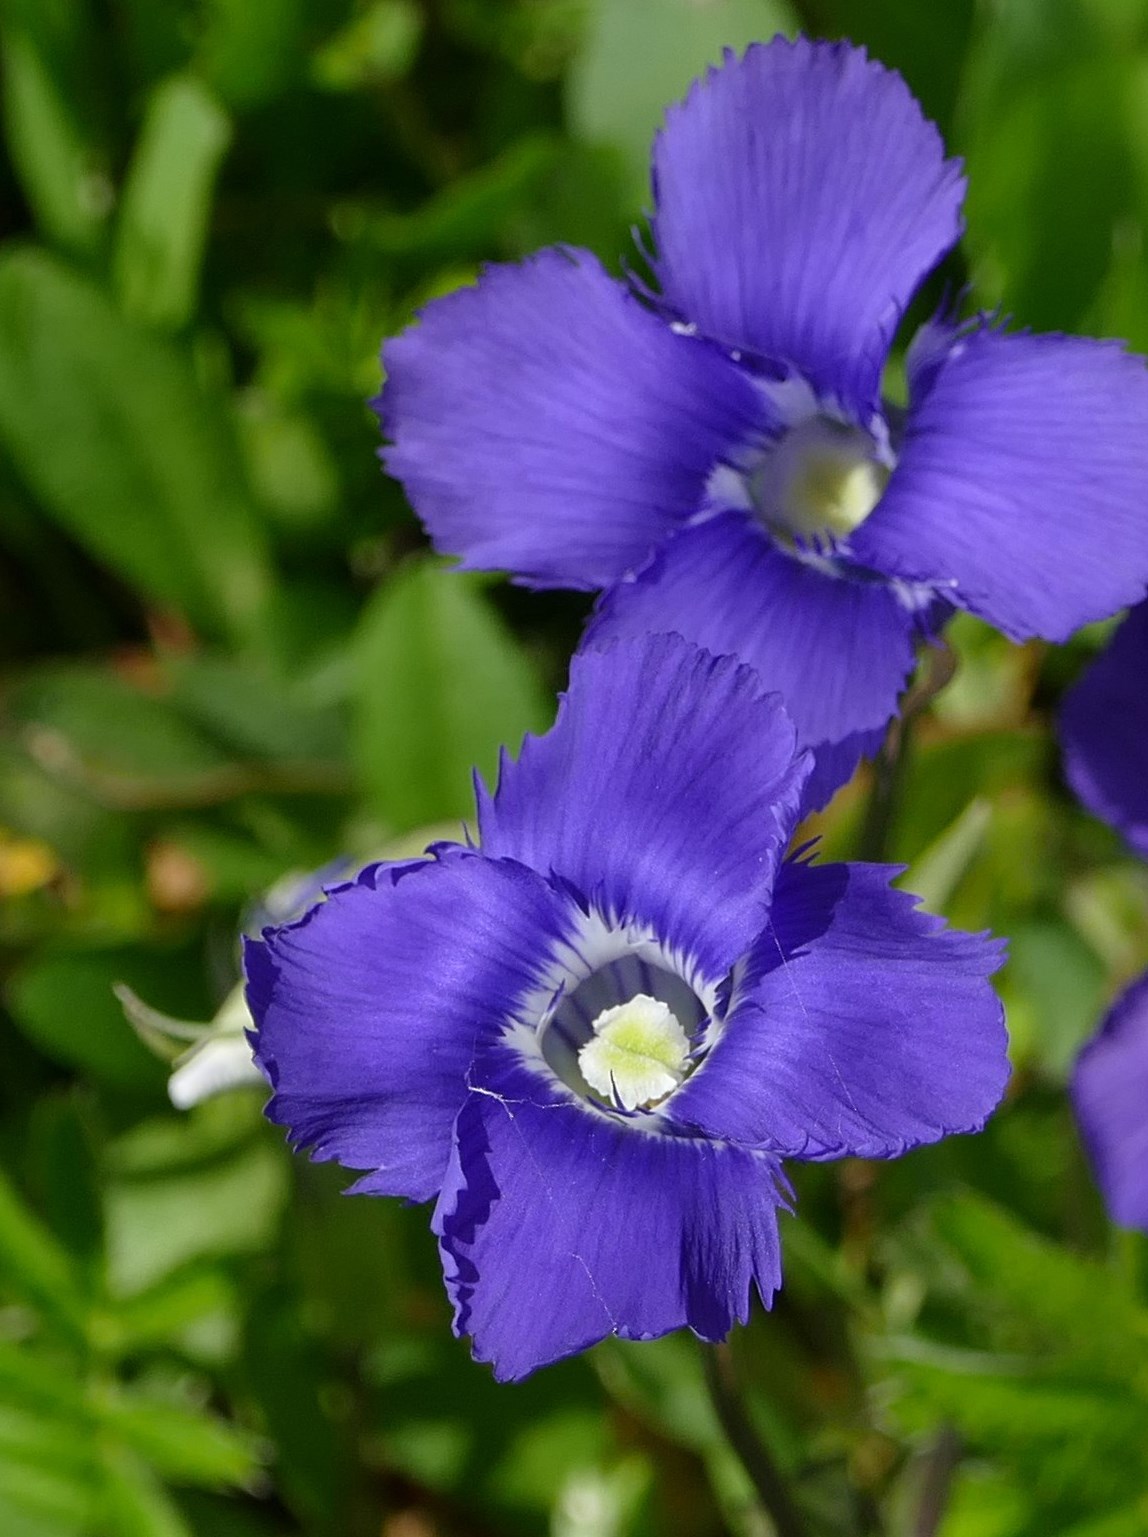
[[592, 1040], [1104, 733], [717, 454]]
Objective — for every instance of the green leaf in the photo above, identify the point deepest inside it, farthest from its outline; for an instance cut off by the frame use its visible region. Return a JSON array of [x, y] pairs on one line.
[[1056, 983], [549, 1453], [1037, 1355], [939, 870], [288, 463], [1120, 306], [181, 1443], [662, 1384], [38, 1501], [166, 203], [945, 775], [253, 710], [289, 1373], [251, 52], [37, 1270], [222, 726], [991, 1406], [1044, 126], [166, 1145], [156, 1225], [377, 45], [49, 146], [993, 681], [1130, 1521], [95, 730], [35, 803], [63, 1001], [985, 1503], [163, 1312], [152, 39], [44, 1381], [65, 1173], [110, 429], [609, 99], [1024, 1296], [1108, 908], [134, 1503], [54, 1444], [471, 214], [440, 687]]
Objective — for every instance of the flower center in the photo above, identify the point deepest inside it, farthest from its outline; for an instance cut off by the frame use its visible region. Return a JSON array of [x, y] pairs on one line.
[[820, 481], [637, 1054], [624, 1028]]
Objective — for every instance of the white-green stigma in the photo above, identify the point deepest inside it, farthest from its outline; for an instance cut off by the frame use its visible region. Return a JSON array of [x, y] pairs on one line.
[[820, 482], [637, 1054]]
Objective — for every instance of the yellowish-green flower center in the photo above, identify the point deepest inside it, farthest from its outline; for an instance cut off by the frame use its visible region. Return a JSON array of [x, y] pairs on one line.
[[821, 481], [637, 1054]]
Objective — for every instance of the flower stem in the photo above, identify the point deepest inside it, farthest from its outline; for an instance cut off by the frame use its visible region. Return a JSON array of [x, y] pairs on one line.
[[939, 664], [888, 772], [729, 1406]]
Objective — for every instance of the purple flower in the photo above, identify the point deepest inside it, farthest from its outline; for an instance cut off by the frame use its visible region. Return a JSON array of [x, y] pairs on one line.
[[592, 1040], [717, 455], [1109, 1094], [1104, 732]]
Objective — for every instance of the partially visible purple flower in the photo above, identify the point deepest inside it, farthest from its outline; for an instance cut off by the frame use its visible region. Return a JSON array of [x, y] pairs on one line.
[[1110, 1096], [717, 455], [1104, 736], [1104, 732], [592, 1040]]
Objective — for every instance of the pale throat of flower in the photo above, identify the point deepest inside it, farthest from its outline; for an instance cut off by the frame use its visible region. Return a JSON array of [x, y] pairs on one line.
[[637, 1053], [819, 482]]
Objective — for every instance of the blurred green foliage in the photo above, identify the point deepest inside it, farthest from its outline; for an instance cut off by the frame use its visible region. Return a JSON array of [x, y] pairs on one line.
[[225, 655]]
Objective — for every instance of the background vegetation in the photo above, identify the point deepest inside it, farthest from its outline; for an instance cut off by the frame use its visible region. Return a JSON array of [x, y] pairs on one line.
[[225, 656]]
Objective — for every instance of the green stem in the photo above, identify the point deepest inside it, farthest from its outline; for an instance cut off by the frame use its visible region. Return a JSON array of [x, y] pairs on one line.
[[938, 667], [762, 1471], [888, 776]]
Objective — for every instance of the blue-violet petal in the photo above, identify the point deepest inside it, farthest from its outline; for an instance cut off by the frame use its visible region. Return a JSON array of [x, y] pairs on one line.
[[368, 1009], [800, 198], [861, 1026], [1109, 1093], [1104, 732], [543, 422], [1021, 483], [839, 650], [560, 1225], [666, 793]]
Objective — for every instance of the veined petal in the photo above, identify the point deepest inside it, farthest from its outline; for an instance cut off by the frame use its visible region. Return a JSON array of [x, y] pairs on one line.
[[666, 793], [837, 651], [367, 1010], [1022, 479], [1109, 1092], [1102, 730], [545, 423], [560, 1225], [801, 196], [862, 1026]]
